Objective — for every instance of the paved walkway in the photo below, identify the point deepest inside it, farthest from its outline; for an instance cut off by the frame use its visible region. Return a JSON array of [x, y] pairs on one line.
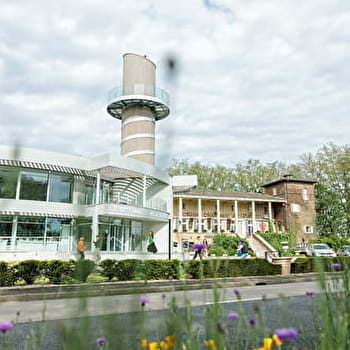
[[68, 308]]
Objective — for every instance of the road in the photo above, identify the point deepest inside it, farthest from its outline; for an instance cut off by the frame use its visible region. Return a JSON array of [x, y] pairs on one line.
[[119, 319]]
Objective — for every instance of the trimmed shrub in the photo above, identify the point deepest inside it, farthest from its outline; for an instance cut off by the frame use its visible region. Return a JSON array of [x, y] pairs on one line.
[[58, 271], [83, 268], [317, 264], [161, 269], [108, 268], [8, 276], [230, 268], [128, 269], [28, 270]]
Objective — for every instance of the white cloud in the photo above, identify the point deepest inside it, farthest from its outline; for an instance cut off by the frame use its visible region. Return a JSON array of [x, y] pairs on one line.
[[267, 81]]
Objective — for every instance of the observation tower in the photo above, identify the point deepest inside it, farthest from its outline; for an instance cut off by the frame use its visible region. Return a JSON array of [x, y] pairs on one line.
[[138, 103]]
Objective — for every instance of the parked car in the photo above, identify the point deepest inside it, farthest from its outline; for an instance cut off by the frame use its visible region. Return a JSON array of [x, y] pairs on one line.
[[319, 249], [344, 250]]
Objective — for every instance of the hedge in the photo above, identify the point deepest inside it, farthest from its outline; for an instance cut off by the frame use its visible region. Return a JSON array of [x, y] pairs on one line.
[[57, 271], [317, 264], [230, 268]]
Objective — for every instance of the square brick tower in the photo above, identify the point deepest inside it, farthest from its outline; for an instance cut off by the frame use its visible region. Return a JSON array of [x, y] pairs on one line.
[[299, 213]]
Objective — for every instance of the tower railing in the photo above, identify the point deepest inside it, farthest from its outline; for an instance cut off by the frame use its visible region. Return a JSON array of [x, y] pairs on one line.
[[138, 89]]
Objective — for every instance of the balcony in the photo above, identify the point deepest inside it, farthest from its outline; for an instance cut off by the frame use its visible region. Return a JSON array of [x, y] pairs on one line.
[[123, 96]]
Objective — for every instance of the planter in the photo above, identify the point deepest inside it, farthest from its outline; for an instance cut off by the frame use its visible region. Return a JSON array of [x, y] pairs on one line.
[[285, 262]]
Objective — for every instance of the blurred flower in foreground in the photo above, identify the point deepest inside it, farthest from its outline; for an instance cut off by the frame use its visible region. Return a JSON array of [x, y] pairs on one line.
[[168, 342], [144, 300], [237, 292], [252, 321], [232, 316], [5, 326], [100, 341], [210, 344], [336, 266], [286, 334], [220, 327], [269, 341], [310, 293]]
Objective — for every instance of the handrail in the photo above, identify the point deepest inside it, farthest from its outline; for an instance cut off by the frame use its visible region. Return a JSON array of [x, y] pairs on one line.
[[138, 89]]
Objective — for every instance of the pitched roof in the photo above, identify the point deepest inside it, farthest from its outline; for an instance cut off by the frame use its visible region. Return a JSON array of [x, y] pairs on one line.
[[226, 194], [289, 179]]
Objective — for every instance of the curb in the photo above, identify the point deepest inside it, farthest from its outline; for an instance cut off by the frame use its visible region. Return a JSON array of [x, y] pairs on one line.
[[42, 292]]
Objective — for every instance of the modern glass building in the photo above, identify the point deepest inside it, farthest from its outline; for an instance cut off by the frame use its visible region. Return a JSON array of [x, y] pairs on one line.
[[49, 200]]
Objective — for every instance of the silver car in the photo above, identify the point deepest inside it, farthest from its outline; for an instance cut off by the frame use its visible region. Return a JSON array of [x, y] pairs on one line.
[[319, 249], [344, 250]]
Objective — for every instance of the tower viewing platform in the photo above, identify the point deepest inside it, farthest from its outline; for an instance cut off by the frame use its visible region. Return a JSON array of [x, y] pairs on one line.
[[138, 103]]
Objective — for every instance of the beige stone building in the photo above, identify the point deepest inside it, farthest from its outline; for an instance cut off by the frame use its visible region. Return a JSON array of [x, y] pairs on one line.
[[286, 203]]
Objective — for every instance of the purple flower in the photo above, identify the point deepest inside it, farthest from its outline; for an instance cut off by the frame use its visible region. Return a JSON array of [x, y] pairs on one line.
[[286, 334], [236, 291], [5, 326], [144, 300], [252, 321], [336, 266], [100, 341], [232, 316], [310, 293], [199, 246]]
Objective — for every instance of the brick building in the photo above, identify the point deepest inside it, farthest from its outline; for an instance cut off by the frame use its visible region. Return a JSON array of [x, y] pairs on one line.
[[288, 204], [299, 213]]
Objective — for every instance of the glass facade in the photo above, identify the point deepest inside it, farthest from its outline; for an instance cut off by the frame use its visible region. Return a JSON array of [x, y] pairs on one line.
[[82, 227], [121, 235], [8, 181], [31, 228], [39, 185], [33, 233], [85, 190], [34, 185], [61, 188]]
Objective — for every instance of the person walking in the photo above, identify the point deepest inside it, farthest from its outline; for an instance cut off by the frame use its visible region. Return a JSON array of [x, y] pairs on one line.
[[151, 246], [81, 248], [198, 247], [97, 252]]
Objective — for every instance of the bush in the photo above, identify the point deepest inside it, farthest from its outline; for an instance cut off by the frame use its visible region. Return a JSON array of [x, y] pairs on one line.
[[275, 240], [161, 269], [215, 249], [28, 270], [58, 271], [230, 268], [8, 276], [83, 268], [126, 270], [108, 268], [317, 264]]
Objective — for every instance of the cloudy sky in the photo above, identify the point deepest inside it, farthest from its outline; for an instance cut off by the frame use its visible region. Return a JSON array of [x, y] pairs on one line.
[[267, 80]]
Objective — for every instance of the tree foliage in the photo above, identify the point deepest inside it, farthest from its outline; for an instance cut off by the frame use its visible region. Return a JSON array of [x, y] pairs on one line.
[[329, 166]]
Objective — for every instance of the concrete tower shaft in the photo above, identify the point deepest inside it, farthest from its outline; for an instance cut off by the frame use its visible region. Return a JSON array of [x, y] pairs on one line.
[[138, 104]]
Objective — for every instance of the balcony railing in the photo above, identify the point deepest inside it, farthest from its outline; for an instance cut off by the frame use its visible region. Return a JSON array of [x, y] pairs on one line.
[[154, 203], [139, 89]]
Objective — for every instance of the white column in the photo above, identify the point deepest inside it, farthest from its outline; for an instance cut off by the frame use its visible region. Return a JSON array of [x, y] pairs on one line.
[[95, 215], [180, 214], [199, 215], [253, 216], [14, 232], [218, 215], [270, 210], [236, 216], [144, 188]]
